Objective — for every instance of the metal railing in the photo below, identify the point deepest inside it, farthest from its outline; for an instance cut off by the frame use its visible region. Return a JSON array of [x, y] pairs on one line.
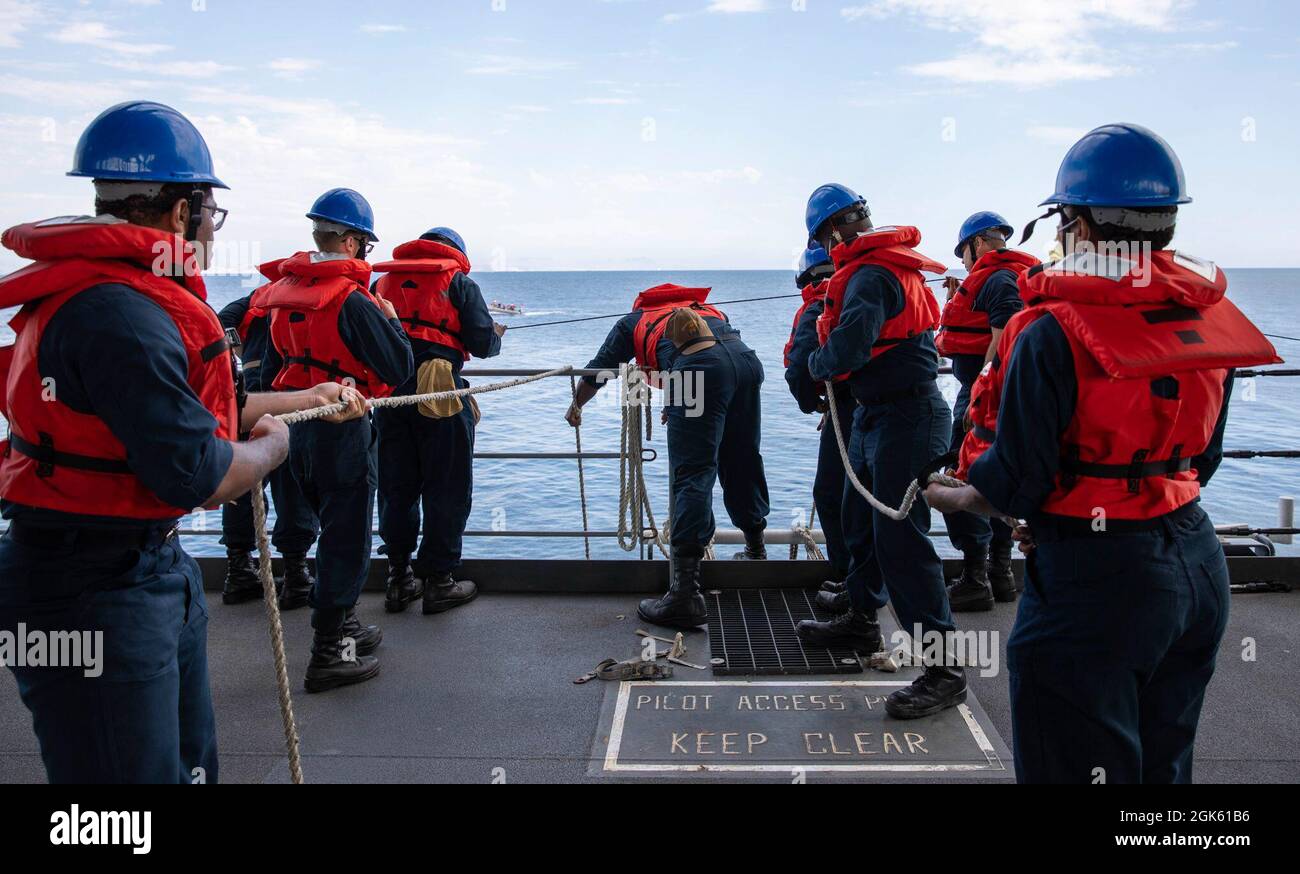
[[728, 537]]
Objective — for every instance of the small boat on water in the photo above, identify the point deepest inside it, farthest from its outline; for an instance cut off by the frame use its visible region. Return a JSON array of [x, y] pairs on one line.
[[505, 309]]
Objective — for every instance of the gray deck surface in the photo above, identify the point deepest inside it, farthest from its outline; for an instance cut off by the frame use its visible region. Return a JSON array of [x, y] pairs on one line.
[[490, 687]]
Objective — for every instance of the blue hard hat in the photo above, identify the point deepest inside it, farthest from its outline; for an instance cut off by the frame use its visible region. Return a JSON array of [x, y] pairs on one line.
[[142, 141], [978, 224], [813, 256], [345, 207], [1122, 165], [827, 201], [447, 234]]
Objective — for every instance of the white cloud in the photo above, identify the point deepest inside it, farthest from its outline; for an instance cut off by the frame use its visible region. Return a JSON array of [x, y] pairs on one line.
[[606, 101], [1027, 42], [1058, 135], [15, 16], [101, 36], [293, 68], [383, 28], [171, 69], [720, 7], [515, 65]]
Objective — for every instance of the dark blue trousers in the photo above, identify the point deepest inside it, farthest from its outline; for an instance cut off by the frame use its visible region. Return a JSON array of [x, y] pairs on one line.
[[335, 468], [425, 465], [829, 485], [715, 436], [295, 526], [969, 532], [147, 718], [895, 561], [1112, 650]]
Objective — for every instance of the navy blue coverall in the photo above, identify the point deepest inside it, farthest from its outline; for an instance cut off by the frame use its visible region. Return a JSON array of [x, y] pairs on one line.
[[295, 526], [714, 430], [335, 465], [147, 718], [830, 481], [1118, 631], [999, 298], [429, 463], [901, 425]]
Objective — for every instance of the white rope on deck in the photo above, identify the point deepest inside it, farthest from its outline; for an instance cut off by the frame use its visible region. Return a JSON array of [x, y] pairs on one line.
[[913, 491], [631, 466]]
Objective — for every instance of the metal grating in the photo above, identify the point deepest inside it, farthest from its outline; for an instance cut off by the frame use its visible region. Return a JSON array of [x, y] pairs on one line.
[[751, 633]]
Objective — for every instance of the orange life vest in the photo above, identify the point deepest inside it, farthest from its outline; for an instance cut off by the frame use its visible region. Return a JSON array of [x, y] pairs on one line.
[[812, 293], [417, 283], [963, 330], [656, 305], [890, 248], [1151, 355], [305, 306], [57, 458]]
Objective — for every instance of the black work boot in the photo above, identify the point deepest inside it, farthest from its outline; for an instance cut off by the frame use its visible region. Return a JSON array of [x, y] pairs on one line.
[[404, 587], [937, 689], [297, 583], [242, 582], [442, 592], [367, 637], [834, 587], [755, 549], [336, 662], [971, 593], [834, 602], [1001, 579], [683, 605], [853, 628]]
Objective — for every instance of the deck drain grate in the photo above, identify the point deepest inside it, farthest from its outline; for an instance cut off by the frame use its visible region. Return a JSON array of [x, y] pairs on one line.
[[751, 633]]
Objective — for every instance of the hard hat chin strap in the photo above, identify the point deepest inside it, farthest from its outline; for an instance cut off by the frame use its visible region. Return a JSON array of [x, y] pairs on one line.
[[1029, 228]]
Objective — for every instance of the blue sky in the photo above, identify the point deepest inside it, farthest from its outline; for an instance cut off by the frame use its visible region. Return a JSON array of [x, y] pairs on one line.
[[605, 134]]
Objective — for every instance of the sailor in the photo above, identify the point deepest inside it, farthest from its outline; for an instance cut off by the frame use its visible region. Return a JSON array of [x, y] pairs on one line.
[[124, 415], [295, 527], [426, 452], [713, 415], [326, 324], [1112, 412], [813, 278], [977, 312], [877, 333]]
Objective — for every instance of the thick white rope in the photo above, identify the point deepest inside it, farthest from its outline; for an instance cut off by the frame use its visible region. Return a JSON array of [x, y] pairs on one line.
[[410, 400], [582, 478], [277, 635], [913, 491], [631, 466]]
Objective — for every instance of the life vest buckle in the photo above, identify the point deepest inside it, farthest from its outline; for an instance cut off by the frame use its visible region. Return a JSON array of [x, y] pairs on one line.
[[45, 469], [1135, 469]]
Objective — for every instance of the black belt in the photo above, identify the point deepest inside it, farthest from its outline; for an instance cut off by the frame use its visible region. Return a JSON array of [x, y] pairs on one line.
[[1051, 527], [959, 330], [92, 539], [920, 390], [982, 433]]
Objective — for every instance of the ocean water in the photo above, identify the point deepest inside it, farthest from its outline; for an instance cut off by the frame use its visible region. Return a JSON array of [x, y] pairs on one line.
[[543, 495]]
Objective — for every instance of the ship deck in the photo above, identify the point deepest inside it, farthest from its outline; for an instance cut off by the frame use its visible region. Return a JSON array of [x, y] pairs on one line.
[[486, 692]]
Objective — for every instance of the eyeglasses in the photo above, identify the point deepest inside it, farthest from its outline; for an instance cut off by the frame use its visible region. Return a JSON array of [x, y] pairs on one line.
[[851, 217], [364, 247], [218, 216]]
